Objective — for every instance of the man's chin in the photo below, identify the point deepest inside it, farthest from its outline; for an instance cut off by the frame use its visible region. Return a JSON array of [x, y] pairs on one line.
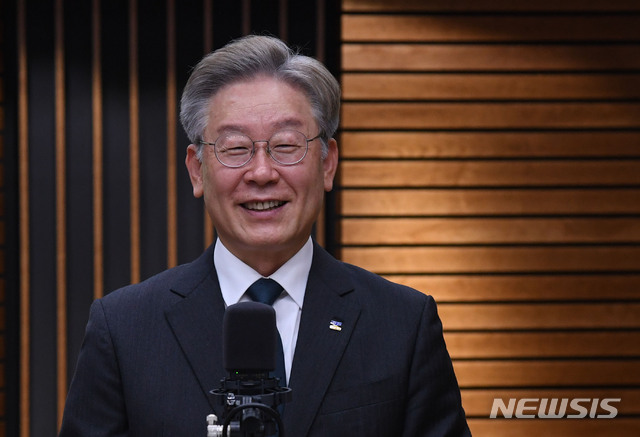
[[273, 243]]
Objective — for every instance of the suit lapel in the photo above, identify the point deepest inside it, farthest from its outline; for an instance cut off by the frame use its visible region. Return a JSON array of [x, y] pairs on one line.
[[328, 299], [196, 321]]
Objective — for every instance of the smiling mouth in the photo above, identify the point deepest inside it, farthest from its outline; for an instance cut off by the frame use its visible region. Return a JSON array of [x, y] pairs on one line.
[[263, 206]]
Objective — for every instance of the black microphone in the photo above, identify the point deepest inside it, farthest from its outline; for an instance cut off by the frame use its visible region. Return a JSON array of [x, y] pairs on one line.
[[249, 398], [249, 339]]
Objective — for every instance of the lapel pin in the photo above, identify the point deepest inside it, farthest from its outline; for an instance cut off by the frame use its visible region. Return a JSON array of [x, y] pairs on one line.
[[335, 325]]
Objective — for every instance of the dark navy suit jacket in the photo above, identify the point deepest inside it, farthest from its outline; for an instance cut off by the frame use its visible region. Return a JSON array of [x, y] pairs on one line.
[[152, 352]]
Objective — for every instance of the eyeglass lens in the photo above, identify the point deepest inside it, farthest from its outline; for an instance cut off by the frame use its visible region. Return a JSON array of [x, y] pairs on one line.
[[236, 149]]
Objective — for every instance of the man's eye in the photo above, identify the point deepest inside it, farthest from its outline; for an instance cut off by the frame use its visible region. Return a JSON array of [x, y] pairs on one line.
[[285, 148], [236, 150]]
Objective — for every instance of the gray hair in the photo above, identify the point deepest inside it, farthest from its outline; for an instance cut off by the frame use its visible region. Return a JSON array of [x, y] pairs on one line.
[[246, 58]]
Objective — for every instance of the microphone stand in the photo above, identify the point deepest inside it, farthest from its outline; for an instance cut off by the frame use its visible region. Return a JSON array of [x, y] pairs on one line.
[[250, 404]]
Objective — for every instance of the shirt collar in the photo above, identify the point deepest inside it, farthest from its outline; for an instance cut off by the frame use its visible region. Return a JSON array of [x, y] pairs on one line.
[[235, 276]]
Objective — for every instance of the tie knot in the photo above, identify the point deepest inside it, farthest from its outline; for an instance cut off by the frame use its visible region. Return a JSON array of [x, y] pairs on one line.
[[264, 290]]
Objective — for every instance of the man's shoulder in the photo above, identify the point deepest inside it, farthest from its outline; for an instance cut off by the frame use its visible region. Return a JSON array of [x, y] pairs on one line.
[[374, 282], [371, 283], [175, 281]]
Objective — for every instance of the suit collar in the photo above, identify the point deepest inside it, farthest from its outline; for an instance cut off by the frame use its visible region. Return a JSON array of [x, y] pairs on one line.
[[329, 298], [235, 276], [194, 273]]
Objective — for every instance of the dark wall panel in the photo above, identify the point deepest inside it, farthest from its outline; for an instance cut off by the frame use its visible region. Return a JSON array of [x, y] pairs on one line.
[[114, 43], [9, 233], [42, 202], [152, 78], [79, 176], [190, 46]]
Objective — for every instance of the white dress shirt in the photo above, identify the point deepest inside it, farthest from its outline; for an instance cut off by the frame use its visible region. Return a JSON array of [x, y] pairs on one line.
[[235, 277]]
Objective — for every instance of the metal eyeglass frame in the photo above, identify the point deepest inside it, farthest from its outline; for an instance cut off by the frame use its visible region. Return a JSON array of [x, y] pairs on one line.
[[268, 148]]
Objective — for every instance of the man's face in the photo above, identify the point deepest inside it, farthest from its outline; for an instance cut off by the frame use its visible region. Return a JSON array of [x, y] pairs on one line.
[[264, 211]]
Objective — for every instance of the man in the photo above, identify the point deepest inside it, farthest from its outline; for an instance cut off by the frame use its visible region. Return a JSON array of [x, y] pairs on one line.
[[363, 356]]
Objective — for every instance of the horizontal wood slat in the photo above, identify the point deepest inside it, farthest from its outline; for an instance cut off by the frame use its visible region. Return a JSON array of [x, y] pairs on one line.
[[530, 288], [478, 402], [414, 86], [492, 345], [537, 316], [487, 5], [557, 427], [491, 115], [490, 158], [489, 173], [542, 373], [474, 58], [370, 144], [488, 28], [453, 202], [586, 259], [385, 231]]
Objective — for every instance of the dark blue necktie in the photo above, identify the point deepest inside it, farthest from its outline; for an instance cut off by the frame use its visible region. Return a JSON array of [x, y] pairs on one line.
[[266, 290]]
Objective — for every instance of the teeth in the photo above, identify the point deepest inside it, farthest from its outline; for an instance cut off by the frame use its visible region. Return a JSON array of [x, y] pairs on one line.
[[261, 206]]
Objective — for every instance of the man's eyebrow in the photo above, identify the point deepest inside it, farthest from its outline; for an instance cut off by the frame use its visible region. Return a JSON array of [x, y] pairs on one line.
[[230, 127], [286, 123], [289, 122]]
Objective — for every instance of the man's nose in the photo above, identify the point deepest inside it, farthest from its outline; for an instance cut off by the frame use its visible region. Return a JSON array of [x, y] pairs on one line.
[[262, 154], [262, 166]]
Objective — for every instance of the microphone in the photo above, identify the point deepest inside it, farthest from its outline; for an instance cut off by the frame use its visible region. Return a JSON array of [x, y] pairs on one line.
[[248, 399], [249, 339]]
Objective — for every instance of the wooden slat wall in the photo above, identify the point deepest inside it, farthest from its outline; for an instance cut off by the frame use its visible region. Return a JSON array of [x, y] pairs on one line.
[[491, 158], [105, 199]]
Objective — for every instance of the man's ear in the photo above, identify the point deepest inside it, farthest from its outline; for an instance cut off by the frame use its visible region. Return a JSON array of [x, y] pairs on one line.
[[330, 164], [194, 167]]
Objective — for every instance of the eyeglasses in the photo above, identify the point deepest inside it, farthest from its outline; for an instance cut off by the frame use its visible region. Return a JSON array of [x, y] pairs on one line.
[[286, 147]]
